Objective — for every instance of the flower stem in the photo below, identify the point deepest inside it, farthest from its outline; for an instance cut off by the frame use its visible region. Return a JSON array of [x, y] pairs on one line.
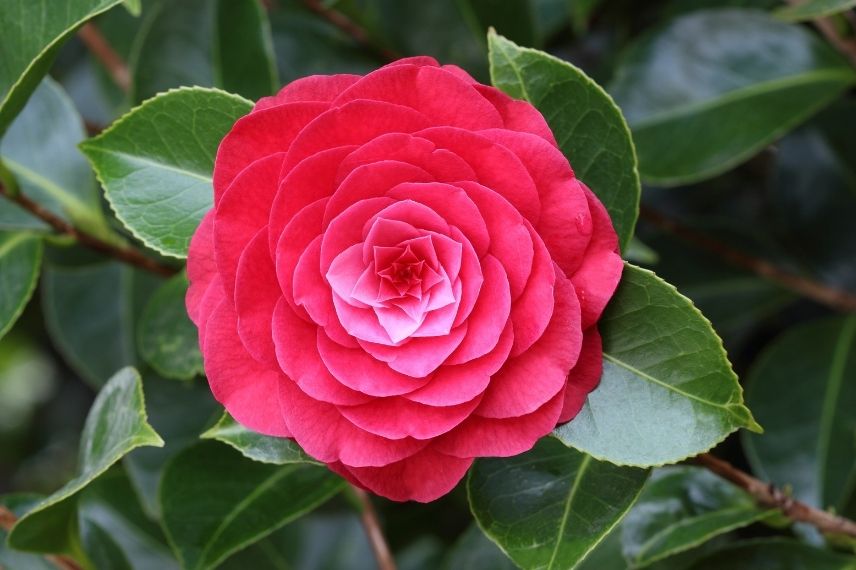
[[368, 515]]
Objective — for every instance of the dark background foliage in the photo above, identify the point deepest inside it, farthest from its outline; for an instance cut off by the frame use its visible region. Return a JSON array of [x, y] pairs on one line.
[[765, 247]]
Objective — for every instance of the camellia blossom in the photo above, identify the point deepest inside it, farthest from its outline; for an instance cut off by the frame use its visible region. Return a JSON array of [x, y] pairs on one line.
[[401, 273]]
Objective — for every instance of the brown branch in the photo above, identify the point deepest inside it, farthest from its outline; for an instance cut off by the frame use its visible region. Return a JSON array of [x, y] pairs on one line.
[[371, 523], [351, 28], [826, 26], [8, 520], [122, 253], [819, 292], [95, 42], [768, 495]]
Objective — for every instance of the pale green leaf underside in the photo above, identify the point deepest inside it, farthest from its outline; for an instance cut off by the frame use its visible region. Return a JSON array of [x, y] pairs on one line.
[[667, 391], [20, 261], [156, 163], [588, 126], [209, 518], [549, 507], [255, 446], [116, 424], [813, 9]]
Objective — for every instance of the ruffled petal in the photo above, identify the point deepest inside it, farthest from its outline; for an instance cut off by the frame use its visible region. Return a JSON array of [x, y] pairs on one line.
[[256, 295], [585, 376]]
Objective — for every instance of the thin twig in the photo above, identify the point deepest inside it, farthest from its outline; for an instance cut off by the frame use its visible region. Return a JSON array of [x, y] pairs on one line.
[[768, 495], [374, 532], [95, 42], [122, 253], [847, 46], [819, 292], [357, 33], [8, 520]]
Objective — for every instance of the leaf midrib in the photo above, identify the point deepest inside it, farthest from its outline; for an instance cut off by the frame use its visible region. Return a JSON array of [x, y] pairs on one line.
[[567, 511], [147, 161], [818, 76], [236, 511]]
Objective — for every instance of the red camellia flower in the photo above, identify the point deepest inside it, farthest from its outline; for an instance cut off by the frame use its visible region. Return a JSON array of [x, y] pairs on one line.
[[402, 273]]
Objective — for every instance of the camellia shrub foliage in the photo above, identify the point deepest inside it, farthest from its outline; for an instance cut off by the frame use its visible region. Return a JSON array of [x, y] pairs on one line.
[[470, 284]]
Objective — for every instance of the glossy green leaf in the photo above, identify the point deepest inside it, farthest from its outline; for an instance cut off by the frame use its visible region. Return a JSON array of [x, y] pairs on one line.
[[89, 316], [681, 508], [698, 109], [110, 504], [135, 7], [549, 507], [33, 30], [813, 9], [775, 554], [156, 163], [667, 391], [588, 126], [116, 424], [215, 501], [39, 149], [20, 261], [244, 62], [810, 438], [255, 446], [179, 411], [474, 550], [167, 339]]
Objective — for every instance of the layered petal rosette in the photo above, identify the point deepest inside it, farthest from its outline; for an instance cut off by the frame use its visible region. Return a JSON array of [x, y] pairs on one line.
[[402, 273]]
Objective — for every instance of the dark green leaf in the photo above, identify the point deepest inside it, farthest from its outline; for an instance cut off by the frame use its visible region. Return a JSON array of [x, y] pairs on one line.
[[810, 438], [511, 18], [116, 424], [20, 261], [111, 504], [215, 501], [775, 554], [588, 126], [699, 108], [474, 550], [32, 33], [179, 411], [813, 9], [11, 559], [258, 447], [39, 149], [681, 508], [89, 316], [581, 13], [667, 391], [156, 163], [243, 49], [167, 339], [549, 507]]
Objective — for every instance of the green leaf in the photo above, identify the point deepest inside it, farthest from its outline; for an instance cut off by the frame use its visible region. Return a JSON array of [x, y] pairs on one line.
[[474, 550], [116, 424], [775, 554], [179, 411], [255, 446], [697, 111], [667, 390], [166, 337], [156, 163], [20, 261], [110, 503], [33, 31], [810, 438], [19, 504], [135, 7], [215, 501], [588, 126], [549, 507], [681, 508], [89, 317], [39, 149], [244, 62], [813, 9]]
